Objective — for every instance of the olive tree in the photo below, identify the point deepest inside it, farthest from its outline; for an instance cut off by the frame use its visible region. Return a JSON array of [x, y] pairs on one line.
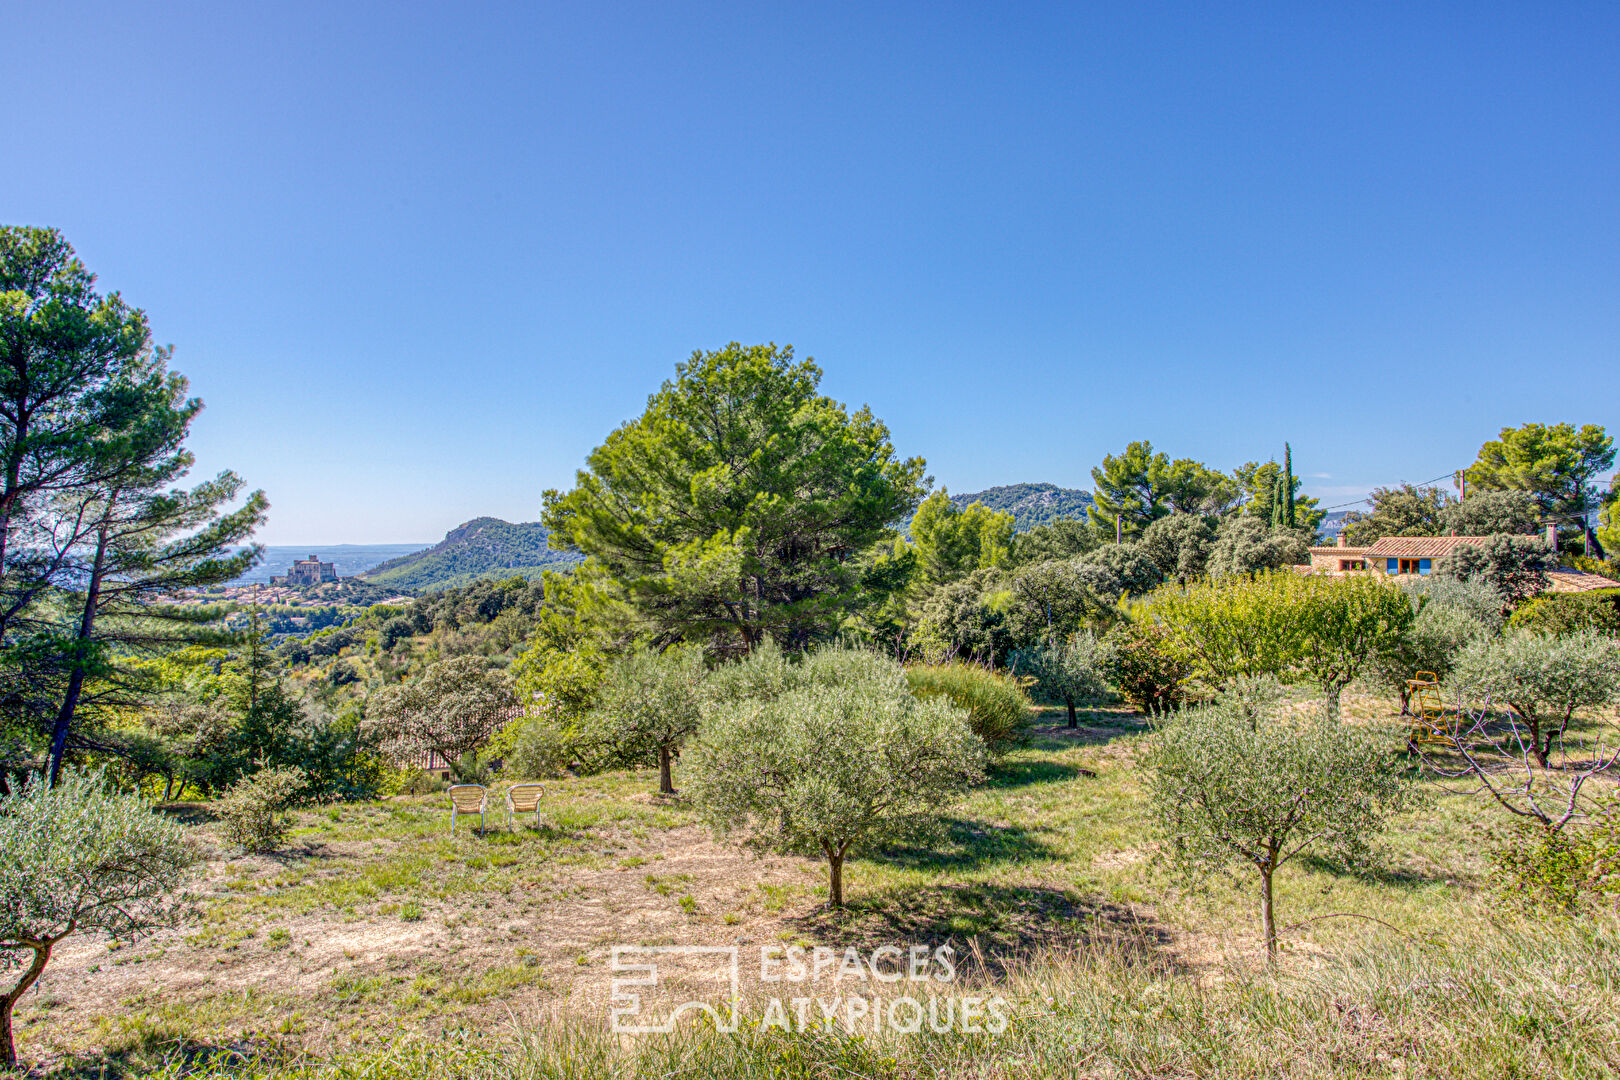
[[1344, 625], [1438, 635], [1544, 679], [77, 857], [1068, 671], [648, 706], [828, 756], [1232, 787]]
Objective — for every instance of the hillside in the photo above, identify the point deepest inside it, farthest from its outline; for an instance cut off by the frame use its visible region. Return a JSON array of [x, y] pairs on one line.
[[1031, 504], [483, 547]]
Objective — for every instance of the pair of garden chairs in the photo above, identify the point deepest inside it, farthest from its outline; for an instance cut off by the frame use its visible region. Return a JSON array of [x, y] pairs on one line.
[[474, 799]]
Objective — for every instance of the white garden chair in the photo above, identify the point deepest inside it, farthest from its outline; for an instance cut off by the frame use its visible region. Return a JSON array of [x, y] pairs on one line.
[[468, 799], [523, 799]]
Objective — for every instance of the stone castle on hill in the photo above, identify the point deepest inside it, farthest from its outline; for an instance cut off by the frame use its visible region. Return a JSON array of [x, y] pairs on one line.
[[310, 571]]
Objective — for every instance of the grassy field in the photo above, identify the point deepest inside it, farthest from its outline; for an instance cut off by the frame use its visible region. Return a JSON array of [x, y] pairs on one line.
[[376, 945]]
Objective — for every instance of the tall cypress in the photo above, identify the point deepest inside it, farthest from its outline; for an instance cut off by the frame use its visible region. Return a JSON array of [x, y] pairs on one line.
[[1288, 486]]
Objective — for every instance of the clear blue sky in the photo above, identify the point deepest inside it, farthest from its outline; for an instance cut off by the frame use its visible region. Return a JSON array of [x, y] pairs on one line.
[[420, 259]]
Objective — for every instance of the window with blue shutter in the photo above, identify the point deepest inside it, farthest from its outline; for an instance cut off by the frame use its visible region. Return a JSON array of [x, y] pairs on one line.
[[1394, 566], [1423, 566]]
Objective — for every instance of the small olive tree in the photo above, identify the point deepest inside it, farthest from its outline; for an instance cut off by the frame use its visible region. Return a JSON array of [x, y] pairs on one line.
[[1438, 635], [1516, 566], [1544, 679], [78, 857], [834, 755], [1345, 624], [1236, 787], [648, 706], [1069, 671]]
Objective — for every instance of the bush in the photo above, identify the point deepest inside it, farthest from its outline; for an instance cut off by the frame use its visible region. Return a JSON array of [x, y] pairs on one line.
[[1434, 641], [840, 756], [1567, 869], [1142, 668], [1479, 599], [1244, 545], [1516, 566], [1569, 613], [996, 707], [252, 814]]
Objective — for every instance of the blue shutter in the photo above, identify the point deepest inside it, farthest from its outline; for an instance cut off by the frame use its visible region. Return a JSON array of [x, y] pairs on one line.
[[1394, 566], [1423, 566]]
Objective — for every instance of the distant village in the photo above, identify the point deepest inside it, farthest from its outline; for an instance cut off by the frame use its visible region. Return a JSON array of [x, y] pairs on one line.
[[308, 583]]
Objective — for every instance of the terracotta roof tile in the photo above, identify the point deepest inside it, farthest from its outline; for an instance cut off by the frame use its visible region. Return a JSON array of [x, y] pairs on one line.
[[1420, 547], [1579, 581]]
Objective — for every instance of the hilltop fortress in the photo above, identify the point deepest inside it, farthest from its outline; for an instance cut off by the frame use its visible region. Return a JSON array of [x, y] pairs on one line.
[[310, 571]]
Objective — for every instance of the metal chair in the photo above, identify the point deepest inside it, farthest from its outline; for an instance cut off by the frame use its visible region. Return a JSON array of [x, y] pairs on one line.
[[523, 799], [468, 799]]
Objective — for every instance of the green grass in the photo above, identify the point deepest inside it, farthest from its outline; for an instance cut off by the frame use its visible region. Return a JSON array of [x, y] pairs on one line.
[[1045, 878]]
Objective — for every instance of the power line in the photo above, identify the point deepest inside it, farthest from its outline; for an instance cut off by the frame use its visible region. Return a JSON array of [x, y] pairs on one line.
[[1368, 499]]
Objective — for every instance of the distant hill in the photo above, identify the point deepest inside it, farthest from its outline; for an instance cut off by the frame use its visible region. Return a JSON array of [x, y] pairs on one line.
[[1031, 504], [483, 547]]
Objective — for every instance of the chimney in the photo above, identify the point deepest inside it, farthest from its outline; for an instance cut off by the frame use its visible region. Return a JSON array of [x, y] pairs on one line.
[[1344, 539], [1552, 536]]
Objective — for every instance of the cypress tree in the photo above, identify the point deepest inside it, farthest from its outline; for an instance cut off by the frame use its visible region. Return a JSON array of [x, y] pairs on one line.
[[1288, 486]]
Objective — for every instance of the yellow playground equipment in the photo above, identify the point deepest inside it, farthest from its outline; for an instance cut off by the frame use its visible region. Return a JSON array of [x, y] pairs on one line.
[[1428, 713]]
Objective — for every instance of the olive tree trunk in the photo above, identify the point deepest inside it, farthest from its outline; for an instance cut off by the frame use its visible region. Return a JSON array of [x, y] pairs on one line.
[[8, 1002], [665, 784]]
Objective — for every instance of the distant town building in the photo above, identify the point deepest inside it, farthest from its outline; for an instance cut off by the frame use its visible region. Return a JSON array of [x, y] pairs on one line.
[[310, 571]]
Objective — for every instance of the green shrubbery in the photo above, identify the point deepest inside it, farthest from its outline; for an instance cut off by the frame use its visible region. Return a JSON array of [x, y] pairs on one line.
[[253, 813], [1565, 869], [1145, 671], [996, 707], [1569, 613]]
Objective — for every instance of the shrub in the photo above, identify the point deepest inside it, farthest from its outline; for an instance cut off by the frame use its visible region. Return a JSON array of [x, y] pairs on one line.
[[252, 814], [843, 756], [1569, 613], [1537, 868], [1143, 669], [1245, 545], [1070, 671], [1236, 786], [1180, 544], [1544, 679], [997, 710], [1479, 599], [78, 857]]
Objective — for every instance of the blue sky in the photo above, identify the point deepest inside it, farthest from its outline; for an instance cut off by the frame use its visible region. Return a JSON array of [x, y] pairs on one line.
[[420, 259]]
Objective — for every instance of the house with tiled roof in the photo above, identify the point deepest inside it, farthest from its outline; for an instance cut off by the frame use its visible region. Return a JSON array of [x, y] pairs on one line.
[[1403, 555]]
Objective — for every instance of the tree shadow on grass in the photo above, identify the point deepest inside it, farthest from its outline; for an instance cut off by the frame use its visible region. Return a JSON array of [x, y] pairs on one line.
[[1399, 877], [1052, 732], [992, 928], [964, 844], [1023, 772]]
